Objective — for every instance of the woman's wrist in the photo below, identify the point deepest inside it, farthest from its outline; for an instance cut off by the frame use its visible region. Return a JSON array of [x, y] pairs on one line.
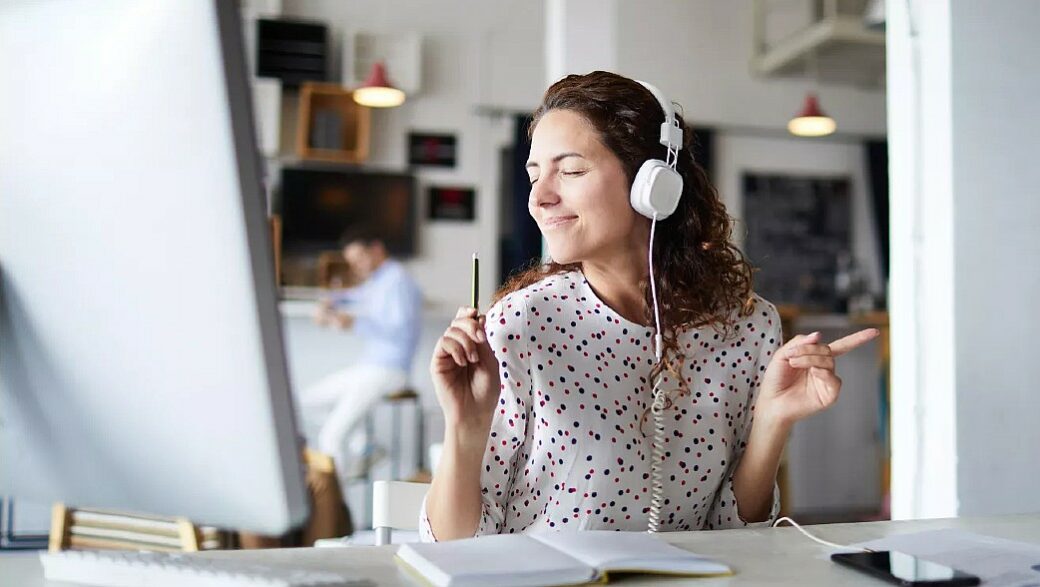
[[466, 440], [755, 476], [766, 441], [769, 420], [772, 425]]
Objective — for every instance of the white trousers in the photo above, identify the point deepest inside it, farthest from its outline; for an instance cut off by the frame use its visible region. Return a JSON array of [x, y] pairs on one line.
[[346, 397]]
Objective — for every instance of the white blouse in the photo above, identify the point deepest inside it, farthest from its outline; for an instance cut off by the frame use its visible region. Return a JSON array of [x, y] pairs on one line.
[[571, 441]]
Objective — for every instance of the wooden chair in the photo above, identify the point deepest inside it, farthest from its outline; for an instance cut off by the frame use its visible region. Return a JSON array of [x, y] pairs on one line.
[[83, 528], [329, 514]]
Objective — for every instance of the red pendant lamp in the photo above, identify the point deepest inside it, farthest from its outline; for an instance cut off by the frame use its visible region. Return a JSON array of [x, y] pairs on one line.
[[811, 121], [377, 91]]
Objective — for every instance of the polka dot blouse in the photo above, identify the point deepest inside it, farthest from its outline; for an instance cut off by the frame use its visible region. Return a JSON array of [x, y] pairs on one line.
[[571, 440]]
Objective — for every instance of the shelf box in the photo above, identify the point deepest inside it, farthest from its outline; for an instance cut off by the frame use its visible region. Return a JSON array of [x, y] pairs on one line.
[[330, 126]]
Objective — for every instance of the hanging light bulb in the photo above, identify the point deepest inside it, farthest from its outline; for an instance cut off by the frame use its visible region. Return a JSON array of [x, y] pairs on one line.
[[811, 121], [377, 92]]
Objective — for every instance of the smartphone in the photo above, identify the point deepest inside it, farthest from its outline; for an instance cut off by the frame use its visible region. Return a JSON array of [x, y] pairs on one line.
[[903, 569]]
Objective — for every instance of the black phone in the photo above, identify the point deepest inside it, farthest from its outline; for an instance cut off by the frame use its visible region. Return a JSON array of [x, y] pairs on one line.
[[904, 569]]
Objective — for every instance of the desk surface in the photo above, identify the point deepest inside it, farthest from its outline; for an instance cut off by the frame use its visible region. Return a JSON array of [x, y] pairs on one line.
[[778, 556]]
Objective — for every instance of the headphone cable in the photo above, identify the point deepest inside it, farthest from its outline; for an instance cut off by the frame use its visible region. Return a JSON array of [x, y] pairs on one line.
[[820, 540], [656, 408]]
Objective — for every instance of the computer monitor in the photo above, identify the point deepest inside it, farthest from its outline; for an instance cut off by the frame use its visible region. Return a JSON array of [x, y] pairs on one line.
[[141, 358]]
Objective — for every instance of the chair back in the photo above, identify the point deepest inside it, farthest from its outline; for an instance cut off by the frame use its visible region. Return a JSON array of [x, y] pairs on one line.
[[396, 506]]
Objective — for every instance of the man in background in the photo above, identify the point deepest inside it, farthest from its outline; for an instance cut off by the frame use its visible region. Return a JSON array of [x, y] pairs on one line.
[[384, 309]]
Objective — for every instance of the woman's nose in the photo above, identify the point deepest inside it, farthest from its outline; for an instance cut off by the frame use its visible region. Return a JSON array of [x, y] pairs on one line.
[[543, 194]]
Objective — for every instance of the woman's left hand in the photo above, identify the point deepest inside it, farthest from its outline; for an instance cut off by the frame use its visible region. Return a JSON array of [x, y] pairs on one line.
[[800, 380]]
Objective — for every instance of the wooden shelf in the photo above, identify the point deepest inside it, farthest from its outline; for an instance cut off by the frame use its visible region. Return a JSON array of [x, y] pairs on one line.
[[352, 127]]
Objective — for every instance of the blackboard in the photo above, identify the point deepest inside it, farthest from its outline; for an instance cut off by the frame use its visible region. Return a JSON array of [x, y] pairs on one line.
[[797, 227]]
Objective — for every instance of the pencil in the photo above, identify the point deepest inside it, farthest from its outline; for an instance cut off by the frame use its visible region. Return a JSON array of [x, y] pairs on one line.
[[474, 285]]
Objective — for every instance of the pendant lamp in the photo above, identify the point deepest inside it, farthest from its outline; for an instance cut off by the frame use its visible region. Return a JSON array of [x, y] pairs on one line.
[[811, 121], [377, 92]]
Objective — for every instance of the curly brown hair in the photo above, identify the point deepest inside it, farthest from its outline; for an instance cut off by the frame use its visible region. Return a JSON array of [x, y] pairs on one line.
[[702, 278]]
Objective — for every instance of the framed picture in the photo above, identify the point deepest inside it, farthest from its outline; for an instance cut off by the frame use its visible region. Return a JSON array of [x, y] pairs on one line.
[[452, 203], [437, 150]]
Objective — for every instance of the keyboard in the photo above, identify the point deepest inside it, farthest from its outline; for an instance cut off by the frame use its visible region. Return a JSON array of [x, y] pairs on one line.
[[157, 569]]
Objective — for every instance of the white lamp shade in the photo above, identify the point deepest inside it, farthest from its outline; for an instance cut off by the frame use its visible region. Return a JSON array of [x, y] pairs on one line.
[[811, 121], [811, 126], [379, 97]]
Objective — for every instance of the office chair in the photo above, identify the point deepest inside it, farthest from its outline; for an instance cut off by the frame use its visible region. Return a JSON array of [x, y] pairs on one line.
[[396, 506]]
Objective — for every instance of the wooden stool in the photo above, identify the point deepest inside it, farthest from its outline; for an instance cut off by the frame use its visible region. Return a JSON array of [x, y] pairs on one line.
[[397, 400]]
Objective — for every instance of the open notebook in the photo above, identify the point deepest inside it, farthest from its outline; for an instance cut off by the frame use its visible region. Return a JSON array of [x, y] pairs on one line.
[[556, 558]]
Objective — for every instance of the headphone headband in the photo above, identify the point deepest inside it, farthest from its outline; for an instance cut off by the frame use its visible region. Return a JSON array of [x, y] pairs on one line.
[[666, 105], [671, 133]]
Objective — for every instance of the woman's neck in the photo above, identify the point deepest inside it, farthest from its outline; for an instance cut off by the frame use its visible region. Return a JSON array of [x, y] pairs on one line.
[[619, 283]]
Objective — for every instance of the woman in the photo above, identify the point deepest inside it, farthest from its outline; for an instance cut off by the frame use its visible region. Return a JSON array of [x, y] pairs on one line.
[[547, 399]]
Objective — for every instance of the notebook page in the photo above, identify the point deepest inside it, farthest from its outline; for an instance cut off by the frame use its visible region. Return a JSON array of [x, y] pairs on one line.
[[506, 560], [609, 551]]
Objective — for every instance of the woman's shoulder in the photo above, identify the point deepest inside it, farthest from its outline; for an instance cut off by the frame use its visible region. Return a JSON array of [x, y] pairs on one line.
[[556, 286], [757, 317], [761, 312]]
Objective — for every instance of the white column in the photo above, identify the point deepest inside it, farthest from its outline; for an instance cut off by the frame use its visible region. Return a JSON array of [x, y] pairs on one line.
[[580, 36], [965, 229]]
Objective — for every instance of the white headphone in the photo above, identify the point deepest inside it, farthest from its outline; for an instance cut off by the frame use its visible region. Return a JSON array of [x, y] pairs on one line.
[[657, 185], [655, 194]]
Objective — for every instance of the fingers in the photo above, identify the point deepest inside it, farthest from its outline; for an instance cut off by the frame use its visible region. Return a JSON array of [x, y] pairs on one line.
[[808, 361], [464, 339], [474, 328], [837, 348], [831, 383], [452, 348], [846, 344], [800, 339], [809, 349]]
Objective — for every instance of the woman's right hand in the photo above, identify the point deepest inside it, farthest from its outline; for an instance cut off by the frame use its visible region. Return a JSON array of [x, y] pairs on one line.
[[465, 376]]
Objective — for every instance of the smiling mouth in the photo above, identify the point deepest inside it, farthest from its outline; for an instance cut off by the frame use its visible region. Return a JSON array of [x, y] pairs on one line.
[[559, 221]]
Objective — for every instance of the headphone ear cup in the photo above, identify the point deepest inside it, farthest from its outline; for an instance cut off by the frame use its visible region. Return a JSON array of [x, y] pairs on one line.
[[656, 189]]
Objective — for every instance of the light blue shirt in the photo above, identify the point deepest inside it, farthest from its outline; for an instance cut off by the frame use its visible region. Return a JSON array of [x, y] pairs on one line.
[[387, 309]]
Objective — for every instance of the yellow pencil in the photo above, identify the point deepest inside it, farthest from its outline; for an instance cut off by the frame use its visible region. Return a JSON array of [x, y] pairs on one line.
[[476, 278]]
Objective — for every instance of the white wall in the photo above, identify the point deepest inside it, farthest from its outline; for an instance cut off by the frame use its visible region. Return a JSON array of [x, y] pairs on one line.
[[995, 84], [965, 210], [474, 53], [698, 52]]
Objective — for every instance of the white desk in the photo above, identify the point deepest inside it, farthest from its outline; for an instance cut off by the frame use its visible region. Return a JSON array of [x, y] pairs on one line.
[[778, 556]]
